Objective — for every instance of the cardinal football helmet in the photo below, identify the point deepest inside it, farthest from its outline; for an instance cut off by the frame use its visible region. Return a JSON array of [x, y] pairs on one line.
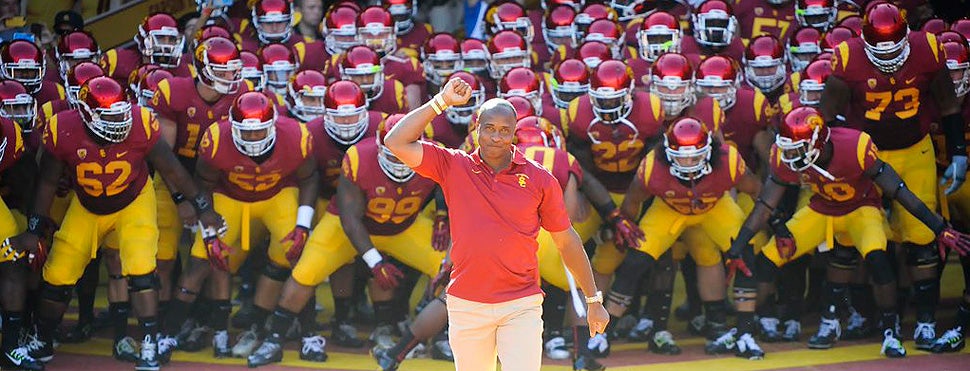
[[819, 14], [885, 35], [339, 29], [305, 94], [278, 63], [510, 16], [507, 50], [252, 70], [218, 65], [345, 117], [801, 137], [672, 80], [105, 108], [253, 119], [23, 61], [764, 63], [160, 39], [363, 66], [81, 73], [570, 79], [687, 146], [393, 167], [525, 83], [718, 77], [559, 27], [958, 62], [403, 12], [441, 57], [376, 29], [611, 91], [73, 48], [813, 81], [17, 104], [714, 23], [803, 46], [659, 33], [273, 20]]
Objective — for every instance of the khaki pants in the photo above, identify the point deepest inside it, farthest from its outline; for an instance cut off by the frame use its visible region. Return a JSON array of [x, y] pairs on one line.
[[512, 330]]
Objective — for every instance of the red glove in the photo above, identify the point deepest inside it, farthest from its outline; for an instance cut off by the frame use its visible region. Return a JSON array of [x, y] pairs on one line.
[[626, 233], [217, 251], [786, 246], [441, 234], [37, 258], [953, 240], [734, 265], [386, 275], [439, 281], [298, 237]]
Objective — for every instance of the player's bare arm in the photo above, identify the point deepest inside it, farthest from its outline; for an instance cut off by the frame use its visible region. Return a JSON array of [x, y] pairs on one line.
[[164, 161], [38, 218], [766, 200], [351, 203], [835, 98], [953, 129], [575, 207], [402, 140]]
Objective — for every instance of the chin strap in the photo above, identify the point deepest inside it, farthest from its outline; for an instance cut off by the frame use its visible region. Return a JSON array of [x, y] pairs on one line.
[[823, 172]]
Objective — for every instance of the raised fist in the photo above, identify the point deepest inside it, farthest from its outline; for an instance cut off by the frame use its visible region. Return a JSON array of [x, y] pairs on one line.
[[456, 92]]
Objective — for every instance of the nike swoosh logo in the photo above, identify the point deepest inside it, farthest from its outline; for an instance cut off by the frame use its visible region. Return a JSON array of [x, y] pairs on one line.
[[121, 154], [15, 361], [924, 151], [910, 81], [476, 171]]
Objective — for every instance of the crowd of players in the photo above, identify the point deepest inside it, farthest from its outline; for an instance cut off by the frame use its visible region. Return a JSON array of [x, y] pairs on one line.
[[764, 145]]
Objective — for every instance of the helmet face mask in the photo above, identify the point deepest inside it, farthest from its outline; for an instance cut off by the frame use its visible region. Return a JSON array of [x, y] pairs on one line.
[[161, 44], [345, 115], [714, 28], [658, 40], [723, 91], [24, 62], [885, 37], [305, 95], [379, 37], [798, 154], [273, 21], [392, 166], [253, 120], [765, 73], [339, 29], [559, 27], [22, 109], [819, 14], [278, 74], [503, 62], [960, 73], [440, 57], [403, 12], [801, 137], [688, 147]]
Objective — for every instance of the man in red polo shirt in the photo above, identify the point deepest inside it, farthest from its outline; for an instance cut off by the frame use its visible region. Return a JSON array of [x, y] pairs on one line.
[[494, 300]]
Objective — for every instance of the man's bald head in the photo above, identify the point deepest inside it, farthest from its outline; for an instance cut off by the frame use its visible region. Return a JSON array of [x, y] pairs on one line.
[[497, 106]]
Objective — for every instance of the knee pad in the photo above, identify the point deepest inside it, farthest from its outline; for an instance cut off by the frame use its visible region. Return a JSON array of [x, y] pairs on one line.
[[844, 258], [767, 270], [628, 274], [276, 273], [880, 268], [54, 293], [144, 282], [921, 256]]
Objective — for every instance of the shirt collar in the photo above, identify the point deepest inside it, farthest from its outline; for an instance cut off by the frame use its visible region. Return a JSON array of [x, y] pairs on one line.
[[518, 158]]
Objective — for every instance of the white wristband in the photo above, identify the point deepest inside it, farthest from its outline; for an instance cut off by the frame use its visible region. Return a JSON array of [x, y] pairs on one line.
[[372, 257], [304, 216]]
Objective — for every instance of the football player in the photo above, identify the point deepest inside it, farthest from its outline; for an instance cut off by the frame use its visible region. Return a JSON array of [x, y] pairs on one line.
[[818, 14], [672, 80], [568, 80], [803, 46], [659, 33], [765, 68], [253, 181], [185, 106], [13, 263], [842, 167], [475, 59], [378, 204], [363, 65], [775, 17], [957, 58], [114, 195], [610, 130], [690, 174], [879, 82], [714, 26], [159, 41]]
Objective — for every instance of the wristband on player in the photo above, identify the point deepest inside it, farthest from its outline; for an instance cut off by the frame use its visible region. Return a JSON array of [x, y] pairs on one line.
[[372, 257], [605, 209], [201, 203], [178, 198], [304, 216], [38, 224]]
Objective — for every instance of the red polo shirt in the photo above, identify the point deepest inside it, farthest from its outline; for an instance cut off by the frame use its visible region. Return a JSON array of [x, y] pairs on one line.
[[495, 218]]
